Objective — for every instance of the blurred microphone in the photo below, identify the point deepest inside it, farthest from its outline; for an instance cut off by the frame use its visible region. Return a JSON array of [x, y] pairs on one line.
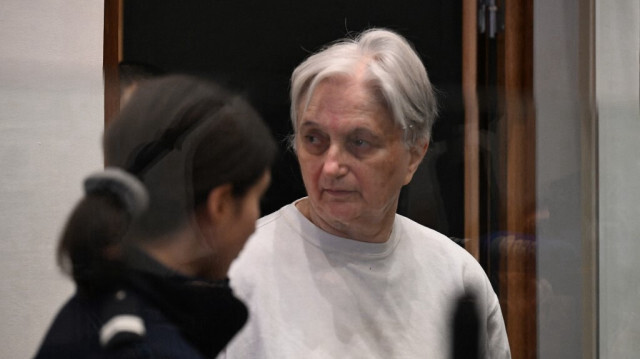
[[466, 326]]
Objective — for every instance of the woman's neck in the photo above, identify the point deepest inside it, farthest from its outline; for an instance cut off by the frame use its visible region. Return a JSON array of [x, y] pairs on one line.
[[181, 252]]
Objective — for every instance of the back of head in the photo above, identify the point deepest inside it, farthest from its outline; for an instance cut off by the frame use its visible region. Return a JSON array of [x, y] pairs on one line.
[[181, 137], [131, 75], [392, 69]]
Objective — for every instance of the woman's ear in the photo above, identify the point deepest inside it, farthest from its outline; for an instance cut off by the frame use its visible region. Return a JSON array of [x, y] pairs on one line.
[[217, 213], [220, 204]]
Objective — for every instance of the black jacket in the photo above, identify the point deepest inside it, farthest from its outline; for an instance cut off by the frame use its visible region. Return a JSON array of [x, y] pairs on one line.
[[182, 317]]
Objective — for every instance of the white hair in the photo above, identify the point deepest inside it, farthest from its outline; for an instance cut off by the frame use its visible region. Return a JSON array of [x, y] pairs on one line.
[[392, 69]]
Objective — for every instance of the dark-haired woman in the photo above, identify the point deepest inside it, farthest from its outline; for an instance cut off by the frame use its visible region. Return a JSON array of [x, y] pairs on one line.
[[150, 244]]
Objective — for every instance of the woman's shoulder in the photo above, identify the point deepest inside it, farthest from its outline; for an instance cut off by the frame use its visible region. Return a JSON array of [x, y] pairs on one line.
[[119, 324], [74, 330]]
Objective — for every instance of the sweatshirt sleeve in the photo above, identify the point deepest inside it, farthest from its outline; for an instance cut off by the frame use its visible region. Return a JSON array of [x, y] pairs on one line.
[[497, 341]]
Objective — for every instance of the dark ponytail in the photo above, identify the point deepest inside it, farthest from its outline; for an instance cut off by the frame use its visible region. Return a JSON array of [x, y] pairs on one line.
[[88, 249], [91, 242]]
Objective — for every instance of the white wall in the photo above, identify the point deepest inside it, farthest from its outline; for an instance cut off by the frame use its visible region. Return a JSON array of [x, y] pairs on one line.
[[618, 96], [51, 115]]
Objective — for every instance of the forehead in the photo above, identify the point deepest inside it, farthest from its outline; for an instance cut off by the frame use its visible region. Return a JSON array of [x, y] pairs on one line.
[[345, 100]]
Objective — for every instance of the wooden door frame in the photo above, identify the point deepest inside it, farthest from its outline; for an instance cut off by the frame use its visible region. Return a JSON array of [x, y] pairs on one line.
[[518, 119], [471, 127], [515, 77], [112, 55]]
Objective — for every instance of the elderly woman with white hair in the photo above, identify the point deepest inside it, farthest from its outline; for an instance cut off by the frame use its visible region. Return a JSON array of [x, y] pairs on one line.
[[339, 274]]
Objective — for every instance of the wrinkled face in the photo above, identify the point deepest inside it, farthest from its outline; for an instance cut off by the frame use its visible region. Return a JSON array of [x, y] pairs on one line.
[[352, 158]]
